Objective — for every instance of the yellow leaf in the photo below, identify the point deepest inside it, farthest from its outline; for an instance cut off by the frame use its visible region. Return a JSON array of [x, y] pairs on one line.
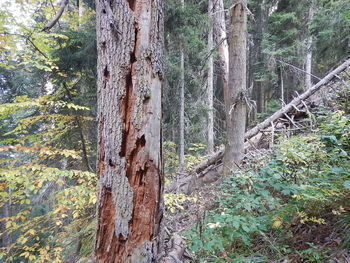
[[64, 215], [25, 254], [93, 199], [23, 240], [277, 222], [75, 214]]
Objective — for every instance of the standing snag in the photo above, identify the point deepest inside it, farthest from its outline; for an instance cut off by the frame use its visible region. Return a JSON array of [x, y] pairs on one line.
[[129, 209], [237, 92]]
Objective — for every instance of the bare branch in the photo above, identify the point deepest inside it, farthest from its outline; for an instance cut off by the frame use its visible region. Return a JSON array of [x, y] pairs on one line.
[[60, 11], [299, 69], [27, 38]]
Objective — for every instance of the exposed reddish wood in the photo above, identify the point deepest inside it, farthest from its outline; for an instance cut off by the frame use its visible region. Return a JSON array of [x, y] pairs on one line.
[[129, 155], [106, 212]]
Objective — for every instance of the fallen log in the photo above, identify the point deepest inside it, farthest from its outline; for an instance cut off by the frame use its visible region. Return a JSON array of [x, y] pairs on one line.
[[209, 163], [296, 101], [278, 114], [175, 254]]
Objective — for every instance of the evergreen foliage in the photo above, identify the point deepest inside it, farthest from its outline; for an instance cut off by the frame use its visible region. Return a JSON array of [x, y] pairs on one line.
[[48, 181]]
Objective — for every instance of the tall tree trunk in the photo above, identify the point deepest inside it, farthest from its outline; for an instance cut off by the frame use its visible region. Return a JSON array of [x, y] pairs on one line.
[[308, 57], [259, 64], [129, 209], [182, 114], [210, 84], [236, 107], [182, 108], [221, 38]]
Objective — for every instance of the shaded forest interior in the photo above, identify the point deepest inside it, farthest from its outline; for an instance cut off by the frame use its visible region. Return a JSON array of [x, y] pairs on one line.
[[153, 92]]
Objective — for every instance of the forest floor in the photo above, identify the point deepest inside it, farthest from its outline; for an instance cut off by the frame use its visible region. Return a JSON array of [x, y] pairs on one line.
[[290, 200]]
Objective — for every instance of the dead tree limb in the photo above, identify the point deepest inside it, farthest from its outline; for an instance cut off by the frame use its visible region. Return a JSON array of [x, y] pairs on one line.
[[58, 15], [298, 100]]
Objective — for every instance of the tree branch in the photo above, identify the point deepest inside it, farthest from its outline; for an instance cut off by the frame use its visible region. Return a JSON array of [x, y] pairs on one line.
[[27, 38], [53, 22]]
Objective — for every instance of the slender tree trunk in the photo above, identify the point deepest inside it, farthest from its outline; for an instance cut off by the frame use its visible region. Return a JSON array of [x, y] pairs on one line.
[[221, 37], [282, 87], [210, 81], [236, 108], [308, 57], [6, 213], [129, 209], [259, 63], [182, 108]]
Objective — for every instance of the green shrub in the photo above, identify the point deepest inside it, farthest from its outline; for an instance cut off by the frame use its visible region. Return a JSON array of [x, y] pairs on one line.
[[305, 183]]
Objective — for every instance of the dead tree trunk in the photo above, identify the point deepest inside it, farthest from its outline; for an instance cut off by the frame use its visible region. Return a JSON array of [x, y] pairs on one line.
[[210, 87], [129, 209], [237, 93], [308, 57], [221, 40]]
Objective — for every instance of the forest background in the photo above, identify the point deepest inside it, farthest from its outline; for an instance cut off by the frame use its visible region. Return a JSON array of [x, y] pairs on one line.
[[48, 104]]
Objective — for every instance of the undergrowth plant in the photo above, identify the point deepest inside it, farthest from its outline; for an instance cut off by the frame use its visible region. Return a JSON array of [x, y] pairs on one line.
[[305, 185], [50, 206]]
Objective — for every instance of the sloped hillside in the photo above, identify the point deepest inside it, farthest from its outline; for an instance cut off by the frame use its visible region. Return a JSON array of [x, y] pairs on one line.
[[290, 201]]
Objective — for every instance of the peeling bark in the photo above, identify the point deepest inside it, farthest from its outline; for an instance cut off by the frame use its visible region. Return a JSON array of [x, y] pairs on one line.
[[129, 211]]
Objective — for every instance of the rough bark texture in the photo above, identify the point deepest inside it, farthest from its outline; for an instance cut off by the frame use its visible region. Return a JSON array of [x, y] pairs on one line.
[[210, 87], [237, 94], [129, 210], [182, 109]]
